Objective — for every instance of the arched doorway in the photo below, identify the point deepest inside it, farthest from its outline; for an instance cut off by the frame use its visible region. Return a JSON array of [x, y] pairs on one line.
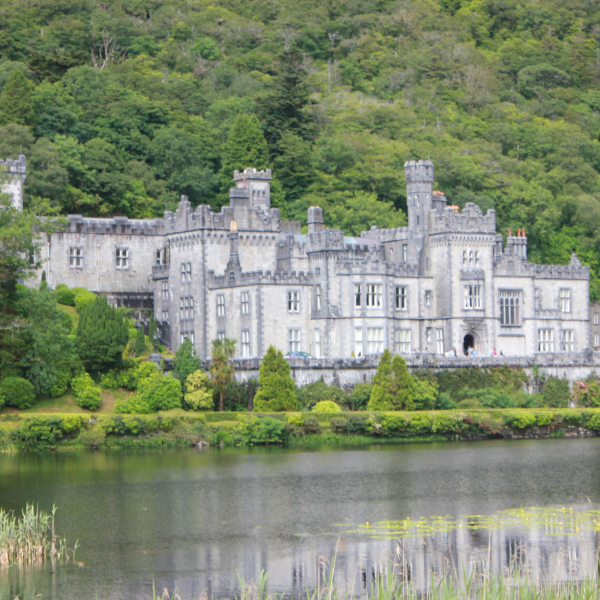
[[468, 342]]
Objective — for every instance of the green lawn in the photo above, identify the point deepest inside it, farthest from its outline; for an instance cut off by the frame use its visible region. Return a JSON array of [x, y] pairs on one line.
[[73, 313]]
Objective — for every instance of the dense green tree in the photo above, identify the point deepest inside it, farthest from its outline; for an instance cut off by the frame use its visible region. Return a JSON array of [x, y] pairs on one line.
[[186, 362], [221, 370], [16, 105], [275, 386], [102, 335], [393, 387], [50, 355], [284, 108]]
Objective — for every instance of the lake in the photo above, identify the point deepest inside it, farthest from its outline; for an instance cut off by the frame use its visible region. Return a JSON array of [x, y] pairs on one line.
[[195, 520]]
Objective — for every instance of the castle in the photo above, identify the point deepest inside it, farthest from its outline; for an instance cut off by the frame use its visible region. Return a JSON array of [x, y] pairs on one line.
[[445, 282]]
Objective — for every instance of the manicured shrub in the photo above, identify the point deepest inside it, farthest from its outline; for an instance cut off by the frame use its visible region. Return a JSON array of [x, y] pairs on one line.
[[311, 394], [83, 298], [62, 383], [327, 406], [17, 392], [160, 392], [338, 424], [519, 420], [64, 295], [275, 385], [93, 436], [199, 395], [556, 392], [310, 425], [37, 433], [87, 395], [267, 430], [392, 424]]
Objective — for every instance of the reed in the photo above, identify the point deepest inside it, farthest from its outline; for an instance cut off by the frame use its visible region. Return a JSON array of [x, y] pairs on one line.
[[31, 539]]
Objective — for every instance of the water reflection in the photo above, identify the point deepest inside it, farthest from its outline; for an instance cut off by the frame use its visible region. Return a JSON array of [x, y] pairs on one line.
[[196, 520]]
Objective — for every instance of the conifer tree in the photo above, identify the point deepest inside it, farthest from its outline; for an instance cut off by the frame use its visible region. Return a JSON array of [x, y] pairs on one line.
[[393, 387], [382, 395], [284, 108], [140, 342], [16, 105], [101, 336], [221, 371], [275, 386], [245, 147], [403, 387]]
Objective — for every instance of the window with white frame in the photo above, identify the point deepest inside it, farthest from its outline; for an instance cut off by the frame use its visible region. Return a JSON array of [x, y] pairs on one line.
[[122, 258], [220, 305], [158, 257], [76, 258], [566, 342], [220, 335], [186, 272], [293, 340], [439, 336], [165, 315], [428, 335], [318, 297], [245, 344], [545, 340], [402, 341], [596, 340], [564, 296], [374, 293], [357, 296], [472, 297], [374, 340], [317, 344], [186, 307], [510, 308], [164, 290], [358, 341], [470, 258], [187, 335], [293, 301], [596, 318], [245, 303], [428, 297], [401, 298], [465, 257]]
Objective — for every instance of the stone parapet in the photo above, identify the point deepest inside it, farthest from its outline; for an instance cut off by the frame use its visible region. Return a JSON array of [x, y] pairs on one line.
[[239, 278], [471, 220], [115, 226]]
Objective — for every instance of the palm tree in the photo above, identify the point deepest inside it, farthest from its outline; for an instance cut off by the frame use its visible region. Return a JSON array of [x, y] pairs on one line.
[[221, 370]]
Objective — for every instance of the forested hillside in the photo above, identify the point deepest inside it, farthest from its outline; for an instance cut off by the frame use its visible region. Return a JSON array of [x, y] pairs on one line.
[[123, 105]]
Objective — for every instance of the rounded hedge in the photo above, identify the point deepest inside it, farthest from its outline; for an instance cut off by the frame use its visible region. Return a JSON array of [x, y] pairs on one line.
[[87, 395], [17, 392], [327, 406], [64, 295]]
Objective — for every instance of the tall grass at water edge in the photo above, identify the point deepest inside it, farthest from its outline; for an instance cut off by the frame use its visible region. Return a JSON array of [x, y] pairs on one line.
[[393, 581], [31, 539]]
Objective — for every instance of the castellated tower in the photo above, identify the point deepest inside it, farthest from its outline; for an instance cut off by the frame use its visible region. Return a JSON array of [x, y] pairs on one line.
[[419, 188], [12, 179], [257, 184]]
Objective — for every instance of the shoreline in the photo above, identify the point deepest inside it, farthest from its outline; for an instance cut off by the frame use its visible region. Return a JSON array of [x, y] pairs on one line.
[[178, 429]]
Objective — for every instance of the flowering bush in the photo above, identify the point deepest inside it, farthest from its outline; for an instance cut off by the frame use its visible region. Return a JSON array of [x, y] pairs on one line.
[[587, 393]]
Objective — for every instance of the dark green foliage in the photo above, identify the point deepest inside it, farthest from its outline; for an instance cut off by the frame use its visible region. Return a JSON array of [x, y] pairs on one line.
[[15, 101], [17, 392], [360, 395], [101, 336], [265, 430], [64, 295], [556, 392], [502, 378], [186, 361], [140, 342], [275, 385], [309, 395], [445, 402]]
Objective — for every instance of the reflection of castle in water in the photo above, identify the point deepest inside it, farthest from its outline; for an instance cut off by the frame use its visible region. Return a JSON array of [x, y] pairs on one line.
[[539, 555]]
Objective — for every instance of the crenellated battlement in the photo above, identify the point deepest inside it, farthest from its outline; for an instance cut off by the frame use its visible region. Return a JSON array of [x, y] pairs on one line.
[[386, 235], [14, 167], [115, 226], [238, 278], [470, 220], [508, 264]]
